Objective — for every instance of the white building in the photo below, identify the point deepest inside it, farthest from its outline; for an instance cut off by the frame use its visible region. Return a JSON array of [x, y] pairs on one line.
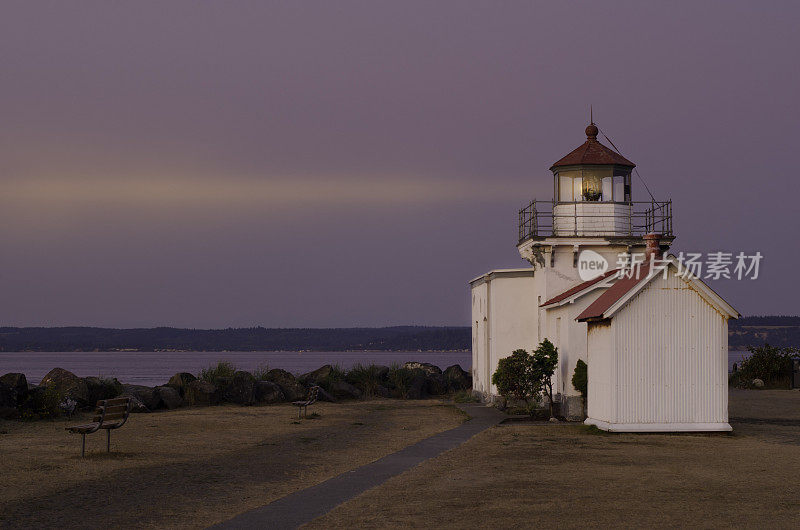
[[655, 344]]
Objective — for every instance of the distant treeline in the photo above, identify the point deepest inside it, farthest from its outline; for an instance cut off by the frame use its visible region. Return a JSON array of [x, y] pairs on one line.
[[402, 338], [776, 330], [782, 331]]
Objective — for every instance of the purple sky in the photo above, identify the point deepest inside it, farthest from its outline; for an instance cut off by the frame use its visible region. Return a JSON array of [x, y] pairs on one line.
[[355, 163]]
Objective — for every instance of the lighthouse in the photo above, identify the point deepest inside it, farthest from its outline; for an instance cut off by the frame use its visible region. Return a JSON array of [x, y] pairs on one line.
[[650, 340]]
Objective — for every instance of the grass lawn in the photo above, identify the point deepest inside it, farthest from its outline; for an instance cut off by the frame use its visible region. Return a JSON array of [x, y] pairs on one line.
[[567, 476], [196, 467]]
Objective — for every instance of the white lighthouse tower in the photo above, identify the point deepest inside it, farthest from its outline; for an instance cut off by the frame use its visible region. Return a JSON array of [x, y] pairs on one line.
[[592, 209], [573, 243]]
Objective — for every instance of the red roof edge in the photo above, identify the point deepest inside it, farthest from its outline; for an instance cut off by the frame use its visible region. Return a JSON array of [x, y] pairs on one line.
[[620, 288], [578, 288]]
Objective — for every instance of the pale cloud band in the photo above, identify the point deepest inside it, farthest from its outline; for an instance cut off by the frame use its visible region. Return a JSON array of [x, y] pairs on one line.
[[243, 192]]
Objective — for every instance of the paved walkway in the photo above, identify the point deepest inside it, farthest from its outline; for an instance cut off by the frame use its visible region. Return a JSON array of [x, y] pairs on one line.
[[306, 505]]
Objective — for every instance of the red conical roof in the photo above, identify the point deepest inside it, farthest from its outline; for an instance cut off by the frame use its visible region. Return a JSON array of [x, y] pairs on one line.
[[593, 152]]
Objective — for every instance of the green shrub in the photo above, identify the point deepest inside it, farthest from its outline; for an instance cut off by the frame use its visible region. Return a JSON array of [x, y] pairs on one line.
[[43, 403], [514, 378], [400, 379], [771, 364], [544, 363], [580, 378], [260, 373], [525, 377], [221, 369], [465, 396], [365, 378]]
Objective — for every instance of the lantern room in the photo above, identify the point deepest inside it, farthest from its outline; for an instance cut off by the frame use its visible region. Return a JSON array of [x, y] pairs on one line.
[[592, 195], [592, 198], [592, 173]]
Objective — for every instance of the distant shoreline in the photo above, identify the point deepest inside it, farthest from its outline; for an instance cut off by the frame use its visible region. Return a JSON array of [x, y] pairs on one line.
[[781, 331]]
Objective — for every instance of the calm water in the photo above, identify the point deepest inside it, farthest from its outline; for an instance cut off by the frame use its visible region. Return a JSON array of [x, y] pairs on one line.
[[155, 368]]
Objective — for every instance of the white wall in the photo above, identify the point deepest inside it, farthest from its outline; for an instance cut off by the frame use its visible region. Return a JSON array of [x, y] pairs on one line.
[[504, 318], [552, 281], [506, 314], [571, 339], [591, 219], [479, 326], [600, 358]]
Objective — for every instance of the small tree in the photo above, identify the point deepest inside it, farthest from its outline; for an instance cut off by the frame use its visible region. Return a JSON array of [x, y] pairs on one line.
[[543, 365], [580, 379], [514, 378]]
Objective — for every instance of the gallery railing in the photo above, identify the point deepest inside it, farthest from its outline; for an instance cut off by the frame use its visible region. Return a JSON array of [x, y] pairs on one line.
[[594, 218]]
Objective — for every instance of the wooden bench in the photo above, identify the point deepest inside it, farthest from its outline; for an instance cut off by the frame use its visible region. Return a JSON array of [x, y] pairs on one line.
[[313, 392], [109, 414]]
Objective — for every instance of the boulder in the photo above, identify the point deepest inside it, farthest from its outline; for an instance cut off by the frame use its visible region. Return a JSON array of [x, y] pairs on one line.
[[102, 388], [202, 393], [268, 392], [344, 390], [147, 395], [241, 389], [317, 376], [180, 381], [291, 388], [457, 379], [136, 403], [169, 397], [428, 368], [18, 383], [435, 385], [758, 383], [61, 379], [68, 385]]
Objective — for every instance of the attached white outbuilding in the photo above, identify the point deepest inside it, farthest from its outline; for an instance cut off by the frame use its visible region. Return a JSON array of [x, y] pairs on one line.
[[657, 348]]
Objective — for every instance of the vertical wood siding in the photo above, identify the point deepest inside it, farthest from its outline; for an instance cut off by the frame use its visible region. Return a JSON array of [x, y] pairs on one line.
[[600, 355], [670, 357]]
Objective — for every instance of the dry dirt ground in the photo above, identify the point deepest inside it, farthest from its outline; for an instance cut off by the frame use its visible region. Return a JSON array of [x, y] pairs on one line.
[[195, 467], [567, 476]]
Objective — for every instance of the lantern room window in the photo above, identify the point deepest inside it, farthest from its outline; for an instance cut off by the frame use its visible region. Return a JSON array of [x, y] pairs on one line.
[[591, 189], [592, 185]]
